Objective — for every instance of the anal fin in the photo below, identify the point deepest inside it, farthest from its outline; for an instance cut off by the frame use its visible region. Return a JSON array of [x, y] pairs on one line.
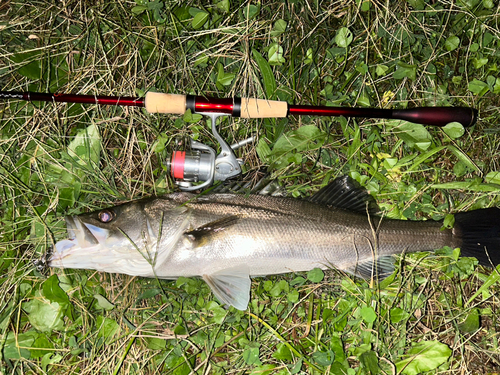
[[231, 286], [378, 269]]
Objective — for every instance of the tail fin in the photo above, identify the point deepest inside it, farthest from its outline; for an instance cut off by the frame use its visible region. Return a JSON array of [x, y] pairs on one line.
[[479, 232]]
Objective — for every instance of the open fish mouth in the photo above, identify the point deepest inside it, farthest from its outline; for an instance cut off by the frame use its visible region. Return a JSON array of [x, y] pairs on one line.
[[90, 246], [80, 236]]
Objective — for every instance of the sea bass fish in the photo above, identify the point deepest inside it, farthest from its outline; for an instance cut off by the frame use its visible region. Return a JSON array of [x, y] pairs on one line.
[[228, 238]]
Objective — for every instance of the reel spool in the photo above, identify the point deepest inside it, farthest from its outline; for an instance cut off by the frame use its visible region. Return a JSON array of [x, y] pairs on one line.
[[199, 162]]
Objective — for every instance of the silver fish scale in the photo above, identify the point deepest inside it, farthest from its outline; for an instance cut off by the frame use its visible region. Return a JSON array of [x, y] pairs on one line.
[[278, 235]]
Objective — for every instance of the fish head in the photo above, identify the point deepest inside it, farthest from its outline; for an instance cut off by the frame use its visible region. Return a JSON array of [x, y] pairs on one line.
[[121, 239]]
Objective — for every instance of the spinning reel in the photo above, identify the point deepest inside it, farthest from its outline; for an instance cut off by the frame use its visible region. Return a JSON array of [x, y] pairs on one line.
[[196, 162]]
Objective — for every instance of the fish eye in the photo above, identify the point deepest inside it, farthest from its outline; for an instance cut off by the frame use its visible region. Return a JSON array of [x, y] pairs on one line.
[[106, 216]]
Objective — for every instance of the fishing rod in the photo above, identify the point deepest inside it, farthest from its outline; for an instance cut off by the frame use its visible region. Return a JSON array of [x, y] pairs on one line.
[[155, 102], [194, 162]]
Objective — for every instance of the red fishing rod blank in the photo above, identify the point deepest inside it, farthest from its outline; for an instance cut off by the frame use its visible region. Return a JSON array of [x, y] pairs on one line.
[[257, 108]]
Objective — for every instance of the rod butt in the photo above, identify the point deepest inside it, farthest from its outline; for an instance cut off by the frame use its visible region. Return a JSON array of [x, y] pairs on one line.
[[438, 116]]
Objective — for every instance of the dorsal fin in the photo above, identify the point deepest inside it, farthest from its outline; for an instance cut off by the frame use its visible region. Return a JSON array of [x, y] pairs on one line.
[[345, 193]]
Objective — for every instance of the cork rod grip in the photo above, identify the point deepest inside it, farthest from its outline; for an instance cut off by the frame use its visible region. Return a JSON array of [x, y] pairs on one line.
[[156, 102], [261, 108]]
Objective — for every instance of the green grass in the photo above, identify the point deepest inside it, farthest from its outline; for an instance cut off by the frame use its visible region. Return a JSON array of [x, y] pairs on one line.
[[350, 53]]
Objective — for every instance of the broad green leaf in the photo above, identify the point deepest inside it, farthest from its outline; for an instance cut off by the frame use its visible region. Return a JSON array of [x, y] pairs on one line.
[[397, 314], [296, 368], [279, 28], [275, 54], [454, 130], [368, 314], [463, 158], [251, 354], [404, 70], [324, 358], [41, 346], [107, 328], [160, 143], [199, 20], [338, 347], [479, 62], [15, 346], [155, 343], [201, 60], [493, 178], [138, 9], [219, 313], [103, 302], [223, 5], [363, 100], [449, 221], [224, 78], [423, 356], [344, 37], [32, 67], [288, 147], [369, 360], [267, 74], [478, 87], [293, 296], [315, 275], [50, 359], [365, 5], [44, 315], [362, 68], [53, 292], [490, 81], [190, 117], [278, 288], [183, 13], [414, 135], [488, 4], [381, 70], [452, 43], [309, 56], [471, 322], [417, 4], [250, 11], [156, 5], [282, 353], [86, 146]]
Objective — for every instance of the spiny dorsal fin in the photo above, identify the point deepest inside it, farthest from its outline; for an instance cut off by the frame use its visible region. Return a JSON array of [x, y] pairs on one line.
[[201, 235], [344, 192]]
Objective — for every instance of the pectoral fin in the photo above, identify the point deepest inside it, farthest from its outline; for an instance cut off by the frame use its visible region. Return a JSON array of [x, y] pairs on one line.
[[201, 235], [231, 286]]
